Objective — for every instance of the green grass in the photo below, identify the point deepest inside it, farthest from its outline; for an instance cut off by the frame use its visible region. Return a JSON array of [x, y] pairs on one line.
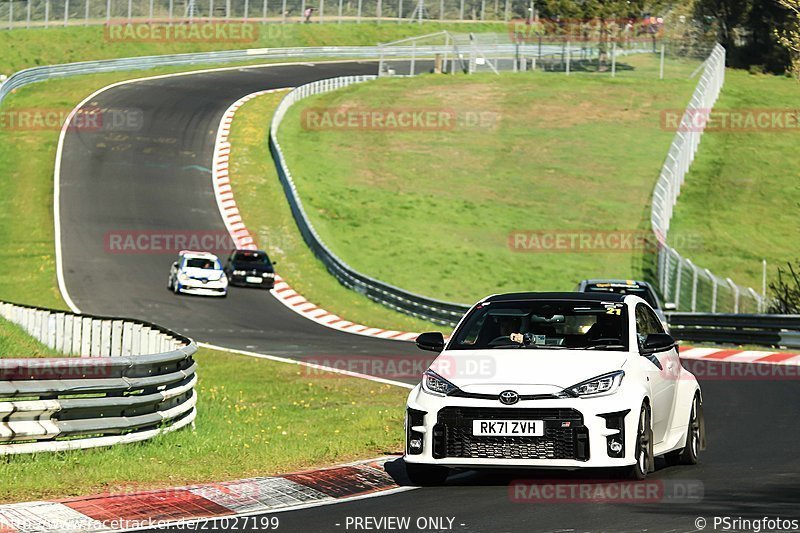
[[15, 342], [432, 211], [36, 47], [266, 213], [255, 418], [741, 199]]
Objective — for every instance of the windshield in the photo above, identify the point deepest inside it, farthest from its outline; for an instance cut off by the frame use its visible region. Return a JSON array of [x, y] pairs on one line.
[[253, 258], [621, 288], [202, 262], [548, 324]]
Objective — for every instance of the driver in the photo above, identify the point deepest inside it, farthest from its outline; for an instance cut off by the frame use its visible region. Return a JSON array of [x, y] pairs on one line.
[[509, 325]]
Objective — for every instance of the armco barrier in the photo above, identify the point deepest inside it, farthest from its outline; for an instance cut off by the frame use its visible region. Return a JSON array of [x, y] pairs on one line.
[[762, 330], [37, 74], [446, 313], [120, 381]]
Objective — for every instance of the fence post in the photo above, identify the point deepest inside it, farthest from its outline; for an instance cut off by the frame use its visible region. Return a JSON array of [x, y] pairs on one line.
[[694, 285], [614, 59], [86, 13], [678, 284], [569, 56], [108, 10], [86, 337], [735, 289], [661, 67], [358, 18], [77, 326], [46, 13], [283, 11], [713, 290]]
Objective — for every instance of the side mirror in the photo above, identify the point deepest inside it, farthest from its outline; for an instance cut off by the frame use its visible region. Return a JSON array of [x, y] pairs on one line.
[[670, 306], [274, 263], [432, 341], [175, 264], [657, 342]]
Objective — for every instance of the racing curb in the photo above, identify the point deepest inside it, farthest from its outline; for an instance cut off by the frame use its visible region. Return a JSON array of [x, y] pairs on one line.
[[158, 508], [245, 240], [740, 356]]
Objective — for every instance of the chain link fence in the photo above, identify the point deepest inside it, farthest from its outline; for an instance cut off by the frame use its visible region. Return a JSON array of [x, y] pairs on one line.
[[688, 286]]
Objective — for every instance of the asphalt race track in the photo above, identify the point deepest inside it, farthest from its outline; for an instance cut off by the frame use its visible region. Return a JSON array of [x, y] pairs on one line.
[[156, 179]]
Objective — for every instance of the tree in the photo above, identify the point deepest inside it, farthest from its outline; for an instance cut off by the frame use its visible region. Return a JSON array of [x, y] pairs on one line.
[[789, 37], [786, 291]]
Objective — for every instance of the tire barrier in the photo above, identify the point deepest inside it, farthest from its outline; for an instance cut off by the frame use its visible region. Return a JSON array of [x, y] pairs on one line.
[[119, 381]]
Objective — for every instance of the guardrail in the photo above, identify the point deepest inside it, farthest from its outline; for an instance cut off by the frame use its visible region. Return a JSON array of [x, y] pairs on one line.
[[689, 286], [120, 381], [437, 311], [779, 331], [38, 74]]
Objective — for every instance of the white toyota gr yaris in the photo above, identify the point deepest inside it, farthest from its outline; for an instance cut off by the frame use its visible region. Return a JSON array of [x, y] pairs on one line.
[[564, 380]]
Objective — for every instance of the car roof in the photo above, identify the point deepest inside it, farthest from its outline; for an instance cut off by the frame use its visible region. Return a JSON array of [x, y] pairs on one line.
[[580, 296], [204, 255], [619, 282]]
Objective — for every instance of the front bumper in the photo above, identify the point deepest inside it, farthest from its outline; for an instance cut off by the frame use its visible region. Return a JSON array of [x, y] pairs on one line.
[[203, 289], [578, 432], [241, 281]]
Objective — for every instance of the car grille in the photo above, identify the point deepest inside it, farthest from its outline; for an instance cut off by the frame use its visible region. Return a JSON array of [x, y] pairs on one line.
[[452, 435]]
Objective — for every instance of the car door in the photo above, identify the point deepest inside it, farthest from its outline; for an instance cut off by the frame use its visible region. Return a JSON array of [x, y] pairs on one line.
[[662, 369]]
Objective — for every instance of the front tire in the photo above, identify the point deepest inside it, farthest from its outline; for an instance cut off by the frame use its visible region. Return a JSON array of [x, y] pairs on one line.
[[688, 454], [426, 475], [643, 449]]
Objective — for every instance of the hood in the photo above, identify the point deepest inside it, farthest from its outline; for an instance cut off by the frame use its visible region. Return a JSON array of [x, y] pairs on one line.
[[527, 371], [203, 273]]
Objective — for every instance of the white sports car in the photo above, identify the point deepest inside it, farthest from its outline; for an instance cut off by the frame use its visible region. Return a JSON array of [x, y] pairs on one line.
[[198, 273], [564, 380]]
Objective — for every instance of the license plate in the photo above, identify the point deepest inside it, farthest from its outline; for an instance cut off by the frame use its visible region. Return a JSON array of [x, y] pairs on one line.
[[253, 279], [508, 428]]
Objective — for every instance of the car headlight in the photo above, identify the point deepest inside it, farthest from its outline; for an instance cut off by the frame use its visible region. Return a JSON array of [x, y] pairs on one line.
[[268, 275], [239, 272], [605, 384], [183, 277], [436, 384]]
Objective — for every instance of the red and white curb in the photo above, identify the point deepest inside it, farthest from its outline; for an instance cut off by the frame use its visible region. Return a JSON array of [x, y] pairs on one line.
[[245, 240], [190, 504], [740, 356]]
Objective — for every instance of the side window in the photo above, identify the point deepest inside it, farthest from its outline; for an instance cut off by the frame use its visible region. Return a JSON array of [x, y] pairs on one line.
[[655, 325], [646, 322]]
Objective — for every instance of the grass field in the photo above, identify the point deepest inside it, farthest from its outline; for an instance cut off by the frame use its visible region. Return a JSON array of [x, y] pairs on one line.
[[15, 342], [255, 418], [741, 199], [37, 47], [432, 211], [266, 213]]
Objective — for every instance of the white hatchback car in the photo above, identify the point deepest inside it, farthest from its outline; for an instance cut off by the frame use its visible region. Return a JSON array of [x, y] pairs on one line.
[[565, 380], [198, 273]]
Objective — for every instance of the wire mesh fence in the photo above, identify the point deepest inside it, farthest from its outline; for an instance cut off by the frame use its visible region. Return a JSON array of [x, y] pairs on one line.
[[688, 286]]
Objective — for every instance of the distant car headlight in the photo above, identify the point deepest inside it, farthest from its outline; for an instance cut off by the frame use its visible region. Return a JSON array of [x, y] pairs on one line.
[[268, 274], [239, 272], [601, 385], [436, 384]]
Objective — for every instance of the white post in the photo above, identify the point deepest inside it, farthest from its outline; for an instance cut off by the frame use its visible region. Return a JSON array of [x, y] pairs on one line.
[[568, 56], [413, 56], [130, 10], [77, 326], [116, 339], [150, 13], [46, 12], [86, 337], [108, 10], [735, 290], [763, 284], [28, 17], [283, 11], [358, 20], [661, 68], [713, 290], [127, 339], [66, 340], [678, 285], [321, 11], [96, 346], [136, 339], [86, 13], [694, 285], [52, 325], [614, 59]]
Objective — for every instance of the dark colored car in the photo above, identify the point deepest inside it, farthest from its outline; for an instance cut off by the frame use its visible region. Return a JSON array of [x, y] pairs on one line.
[[641, 289], [250, 268]]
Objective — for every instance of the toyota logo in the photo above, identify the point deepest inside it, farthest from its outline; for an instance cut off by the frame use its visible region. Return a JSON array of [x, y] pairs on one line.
[[509, 397]]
